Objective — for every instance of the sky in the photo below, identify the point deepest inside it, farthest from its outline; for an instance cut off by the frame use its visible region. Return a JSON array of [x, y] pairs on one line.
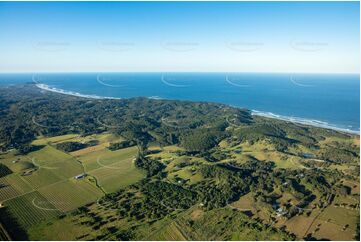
[[292, 37]]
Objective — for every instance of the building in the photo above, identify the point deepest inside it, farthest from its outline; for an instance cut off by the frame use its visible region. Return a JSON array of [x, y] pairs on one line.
[[81, 176]]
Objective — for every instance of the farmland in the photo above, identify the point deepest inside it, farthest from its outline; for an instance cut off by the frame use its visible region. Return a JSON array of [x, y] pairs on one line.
[[320, 223], [228, 175], [112, 169], [31, 208], [41, 184]]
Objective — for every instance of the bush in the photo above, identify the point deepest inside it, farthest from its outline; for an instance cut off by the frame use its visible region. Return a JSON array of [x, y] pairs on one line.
[[70, 146], [201, 140], [121, 145]]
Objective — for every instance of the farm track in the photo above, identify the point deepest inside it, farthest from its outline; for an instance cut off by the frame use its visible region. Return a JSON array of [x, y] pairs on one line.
[[313, 221], [95, 179]]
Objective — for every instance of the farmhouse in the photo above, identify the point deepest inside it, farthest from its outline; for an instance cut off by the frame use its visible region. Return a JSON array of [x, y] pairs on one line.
[[81, 176], [280, 212]]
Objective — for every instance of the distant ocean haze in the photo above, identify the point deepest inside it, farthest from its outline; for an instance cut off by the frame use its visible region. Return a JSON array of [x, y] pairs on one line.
[[326, 100]]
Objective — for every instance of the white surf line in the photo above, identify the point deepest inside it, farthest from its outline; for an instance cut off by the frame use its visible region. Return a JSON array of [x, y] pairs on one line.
[[44, 167], [70, 93], [110, 167], [299, 84], [106, 84], [307, 122], [171, 84], [235, 84], [61, 91], [156, 97], [47, 209]]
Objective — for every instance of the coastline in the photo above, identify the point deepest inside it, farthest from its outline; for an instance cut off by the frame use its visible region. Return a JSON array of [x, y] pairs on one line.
[[309, 122], [296, 120], [76, 94]]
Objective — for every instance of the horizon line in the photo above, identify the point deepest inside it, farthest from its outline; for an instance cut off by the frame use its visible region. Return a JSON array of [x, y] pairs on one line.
[[258, 72]]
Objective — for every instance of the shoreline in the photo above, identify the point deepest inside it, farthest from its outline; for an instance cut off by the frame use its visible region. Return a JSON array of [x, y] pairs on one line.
[[76, 94], [296, 120], [309, 122]]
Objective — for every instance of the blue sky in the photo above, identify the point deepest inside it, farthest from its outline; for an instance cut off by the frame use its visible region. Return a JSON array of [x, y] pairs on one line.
[[180, 36]]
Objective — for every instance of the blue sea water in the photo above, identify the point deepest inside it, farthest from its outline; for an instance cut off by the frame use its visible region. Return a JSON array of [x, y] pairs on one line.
[[318, 99]]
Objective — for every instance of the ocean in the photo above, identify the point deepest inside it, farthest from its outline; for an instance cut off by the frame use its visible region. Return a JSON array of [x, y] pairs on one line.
[[324, 100]]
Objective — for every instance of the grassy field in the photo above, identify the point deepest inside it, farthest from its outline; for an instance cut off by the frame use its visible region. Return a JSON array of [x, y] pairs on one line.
[[13, 185], [104, 137], [171, 232], [224, 224], [27, 213], [299, 225], [194, 224], [71, 194], [48, 156], [42, 184], [165, 153], [104, 157], [175, 163], [165, 230], [85, 151], [14, 162], [340, 216], [118, 175], [327, 223], [321, 230], [78, 226], [42, 177], [55, 139], [112, 169], [265, 152], [245, 203], [62, 230]]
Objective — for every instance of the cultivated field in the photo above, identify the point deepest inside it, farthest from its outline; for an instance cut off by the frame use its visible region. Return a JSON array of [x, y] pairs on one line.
[[41, 185], [71, 194], [30, 209]]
